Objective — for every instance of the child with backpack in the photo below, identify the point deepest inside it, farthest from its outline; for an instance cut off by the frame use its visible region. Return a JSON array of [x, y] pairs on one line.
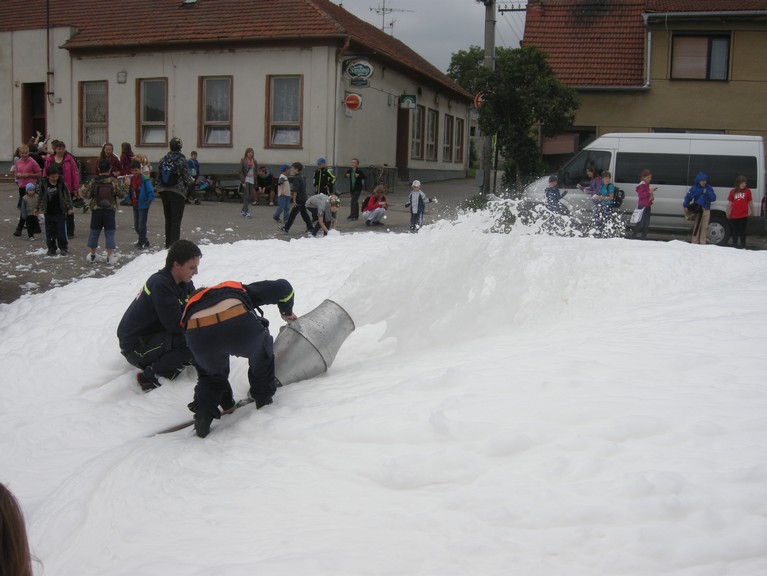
[[417, 204], [141, 197], [103, 192]]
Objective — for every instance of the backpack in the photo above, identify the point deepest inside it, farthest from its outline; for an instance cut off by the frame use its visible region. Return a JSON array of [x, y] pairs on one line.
[[105, 194], [169, 175], [618, 196]]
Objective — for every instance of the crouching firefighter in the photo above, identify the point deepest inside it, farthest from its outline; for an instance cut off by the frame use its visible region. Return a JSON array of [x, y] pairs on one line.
[[225, 320]]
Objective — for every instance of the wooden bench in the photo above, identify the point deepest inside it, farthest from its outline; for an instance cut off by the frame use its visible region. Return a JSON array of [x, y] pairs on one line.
[[225, 187]]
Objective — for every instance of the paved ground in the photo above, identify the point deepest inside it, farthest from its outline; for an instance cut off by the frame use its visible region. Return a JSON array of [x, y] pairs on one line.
[[25, 269]]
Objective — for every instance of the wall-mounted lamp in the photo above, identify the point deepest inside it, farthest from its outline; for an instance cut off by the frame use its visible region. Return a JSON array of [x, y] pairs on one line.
[[122, 77]]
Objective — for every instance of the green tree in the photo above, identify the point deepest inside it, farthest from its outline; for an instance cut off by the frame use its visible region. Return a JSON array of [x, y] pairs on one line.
[[522, 98], [466, 68]]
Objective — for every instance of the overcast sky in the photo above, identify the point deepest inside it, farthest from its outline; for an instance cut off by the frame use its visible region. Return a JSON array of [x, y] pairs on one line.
[[438, 28]]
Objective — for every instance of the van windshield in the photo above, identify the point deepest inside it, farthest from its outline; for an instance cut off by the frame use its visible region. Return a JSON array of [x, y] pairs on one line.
[[574, 172]]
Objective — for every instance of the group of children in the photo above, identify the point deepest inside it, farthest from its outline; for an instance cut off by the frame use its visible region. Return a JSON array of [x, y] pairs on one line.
[[696, 204]]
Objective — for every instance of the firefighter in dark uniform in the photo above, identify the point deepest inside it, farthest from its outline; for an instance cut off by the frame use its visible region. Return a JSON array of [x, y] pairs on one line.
[[225, 320]]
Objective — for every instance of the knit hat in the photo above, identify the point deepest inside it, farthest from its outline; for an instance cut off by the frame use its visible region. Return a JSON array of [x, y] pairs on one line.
[[30, 186]]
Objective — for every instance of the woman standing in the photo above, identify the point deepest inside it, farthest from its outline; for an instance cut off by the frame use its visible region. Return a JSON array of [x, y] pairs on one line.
[[645, 198], [248, 170], [70, 174], [108, 154]]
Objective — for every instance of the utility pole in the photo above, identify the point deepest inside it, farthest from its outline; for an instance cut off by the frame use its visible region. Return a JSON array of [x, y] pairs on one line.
[[489, 63]]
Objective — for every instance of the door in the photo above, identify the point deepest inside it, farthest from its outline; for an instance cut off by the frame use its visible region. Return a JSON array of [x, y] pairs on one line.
[[33, 110]]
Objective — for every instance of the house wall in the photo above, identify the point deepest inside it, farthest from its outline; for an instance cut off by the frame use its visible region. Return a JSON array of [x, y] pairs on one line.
[[329, 130], [732, 106]]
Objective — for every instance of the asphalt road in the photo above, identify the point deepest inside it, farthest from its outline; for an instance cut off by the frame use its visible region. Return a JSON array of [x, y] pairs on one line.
[[25, 269]]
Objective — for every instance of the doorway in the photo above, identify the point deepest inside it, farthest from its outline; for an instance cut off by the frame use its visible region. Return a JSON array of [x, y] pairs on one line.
[[33, 111]]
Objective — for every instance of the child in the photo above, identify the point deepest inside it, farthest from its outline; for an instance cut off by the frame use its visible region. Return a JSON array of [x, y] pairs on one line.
[[298, 198], [553, 195], [604, 202], [103, 191], [194, 172], [375, 208], [740, 206], [142, 196], [323, 178], [28, 207], [697, 205], [327, 220], [283, 195], [417, 204], [55, 203], [146, 167], [264, 185], [645, 198], [27, 172]]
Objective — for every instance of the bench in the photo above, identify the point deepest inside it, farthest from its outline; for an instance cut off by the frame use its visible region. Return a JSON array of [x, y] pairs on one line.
[[223, 187]]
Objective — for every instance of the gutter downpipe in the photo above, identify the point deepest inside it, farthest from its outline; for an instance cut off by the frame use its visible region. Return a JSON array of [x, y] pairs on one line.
[[336, 104]]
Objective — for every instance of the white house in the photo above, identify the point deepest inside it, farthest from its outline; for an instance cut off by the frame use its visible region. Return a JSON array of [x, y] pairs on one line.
[[281, 76]]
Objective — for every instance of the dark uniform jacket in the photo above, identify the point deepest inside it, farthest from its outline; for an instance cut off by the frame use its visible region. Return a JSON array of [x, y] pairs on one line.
[[156, 308]]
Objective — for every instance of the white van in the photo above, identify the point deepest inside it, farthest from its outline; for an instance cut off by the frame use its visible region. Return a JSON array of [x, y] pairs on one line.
[[674, 160]]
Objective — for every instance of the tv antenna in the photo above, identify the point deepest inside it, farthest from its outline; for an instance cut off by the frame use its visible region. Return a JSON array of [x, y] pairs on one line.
[[383, 11]]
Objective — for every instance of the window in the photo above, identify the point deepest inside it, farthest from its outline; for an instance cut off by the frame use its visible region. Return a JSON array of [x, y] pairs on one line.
[[681, 169], [416, 139], [700, 57], [94, 116], [153, 116], [216, 122], [458, 140], [432, 118], [574, 172], [285, 111], [447, 139]]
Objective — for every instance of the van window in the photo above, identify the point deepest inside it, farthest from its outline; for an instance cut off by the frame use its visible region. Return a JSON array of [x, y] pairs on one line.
[[668, 169], [681, 169], [722, 170], [574, 172]]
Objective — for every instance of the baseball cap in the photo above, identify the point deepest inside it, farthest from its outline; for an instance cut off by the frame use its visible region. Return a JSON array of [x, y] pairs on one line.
[[284, 167], [321, 160], [417, 183]]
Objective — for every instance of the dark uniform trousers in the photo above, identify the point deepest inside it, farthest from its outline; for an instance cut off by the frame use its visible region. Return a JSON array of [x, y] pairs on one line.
[[242, 336], [165, 354]]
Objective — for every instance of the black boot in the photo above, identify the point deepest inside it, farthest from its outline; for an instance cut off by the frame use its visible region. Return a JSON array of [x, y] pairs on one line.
[[202, 424]]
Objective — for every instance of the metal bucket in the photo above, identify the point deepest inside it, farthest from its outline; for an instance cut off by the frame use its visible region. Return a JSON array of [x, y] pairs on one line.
[[306, 347]]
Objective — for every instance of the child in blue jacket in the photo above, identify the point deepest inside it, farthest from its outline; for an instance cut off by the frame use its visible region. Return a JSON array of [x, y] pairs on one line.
[[142, 196], [697, 205]]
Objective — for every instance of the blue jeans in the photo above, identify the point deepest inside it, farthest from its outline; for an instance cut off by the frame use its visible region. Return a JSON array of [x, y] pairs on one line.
[[283, 207], [139, 223], [102, 218]]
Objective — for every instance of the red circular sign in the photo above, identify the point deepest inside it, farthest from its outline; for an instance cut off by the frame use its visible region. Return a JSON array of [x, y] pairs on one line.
[[478, 100], [353, 101]]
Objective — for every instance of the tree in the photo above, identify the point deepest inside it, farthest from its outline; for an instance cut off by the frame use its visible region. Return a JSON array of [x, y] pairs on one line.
[[522, 97], [465, 68]]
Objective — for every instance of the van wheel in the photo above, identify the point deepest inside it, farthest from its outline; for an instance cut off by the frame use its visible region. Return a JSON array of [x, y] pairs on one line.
[[718, 231]]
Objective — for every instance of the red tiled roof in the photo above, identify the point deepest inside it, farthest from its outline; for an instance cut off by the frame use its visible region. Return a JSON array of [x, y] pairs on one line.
[[590, 42], [112, 25], [705, 5]]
